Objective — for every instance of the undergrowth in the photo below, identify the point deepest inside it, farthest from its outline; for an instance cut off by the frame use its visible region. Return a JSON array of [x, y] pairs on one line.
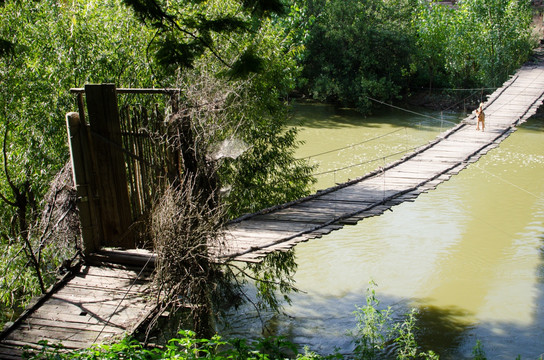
[[377, 336], [188, 347]]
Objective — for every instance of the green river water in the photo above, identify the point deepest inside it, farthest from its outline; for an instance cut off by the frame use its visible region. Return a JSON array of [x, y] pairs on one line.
[[469, 255]]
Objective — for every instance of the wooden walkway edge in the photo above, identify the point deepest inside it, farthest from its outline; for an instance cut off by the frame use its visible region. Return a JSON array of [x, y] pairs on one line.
[[94, 304], [253, 236]]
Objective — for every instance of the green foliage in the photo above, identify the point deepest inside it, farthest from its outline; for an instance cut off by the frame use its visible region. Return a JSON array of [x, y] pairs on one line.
[[57, 46], [186, 346], [406, 339], [377, 333], [358, 49], [431, 24], [383, 49], [478, 351], [477, 44], [186, 31], [502, 36], [373, 327], [47, 47], [267, 173], [268, 165], [272, 276]]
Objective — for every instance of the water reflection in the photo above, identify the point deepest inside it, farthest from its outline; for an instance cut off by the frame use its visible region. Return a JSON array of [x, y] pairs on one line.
[[345, 145]]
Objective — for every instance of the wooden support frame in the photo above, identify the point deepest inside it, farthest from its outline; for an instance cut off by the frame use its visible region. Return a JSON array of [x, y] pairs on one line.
[[103, 157], [115, 212], [78, 139]]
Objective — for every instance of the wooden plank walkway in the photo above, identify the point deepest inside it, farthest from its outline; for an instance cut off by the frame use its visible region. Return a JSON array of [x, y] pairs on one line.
[[97, 304], [280, 228]]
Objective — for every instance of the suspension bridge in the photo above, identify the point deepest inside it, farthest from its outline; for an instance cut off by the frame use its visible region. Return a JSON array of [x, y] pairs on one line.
[[106, 298], [280, 228]]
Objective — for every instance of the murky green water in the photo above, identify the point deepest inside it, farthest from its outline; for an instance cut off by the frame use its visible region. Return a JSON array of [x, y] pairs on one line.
[[469, 255]]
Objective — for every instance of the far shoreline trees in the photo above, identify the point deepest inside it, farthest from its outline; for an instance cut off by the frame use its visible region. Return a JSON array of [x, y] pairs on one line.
[[388, 50]]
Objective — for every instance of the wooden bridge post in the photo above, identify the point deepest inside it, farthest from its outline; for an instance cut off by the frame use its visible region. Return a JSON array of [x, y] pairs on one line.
[[115, 211], [82, 175]]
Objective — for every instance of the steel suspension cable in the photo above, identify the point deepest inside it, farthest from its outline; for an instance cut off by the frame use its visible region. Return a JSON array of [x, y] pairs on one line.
[[409, 111], [366, 162], [352, 145]]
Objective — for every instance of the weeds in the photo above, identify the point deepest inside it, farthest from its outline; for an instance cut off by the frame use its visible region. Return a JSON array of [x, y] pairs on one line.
[[377, 336]]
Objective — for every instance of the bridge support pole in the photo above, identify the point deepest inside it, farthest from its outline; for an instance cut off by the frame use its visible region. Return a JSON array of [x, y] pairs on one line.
[[82, 176], [115, 210]]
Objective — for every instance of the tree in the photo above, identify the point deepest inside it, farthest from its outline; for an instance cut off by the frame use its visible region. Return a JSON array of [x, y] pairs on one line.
[[501, 33], [46, 48], [432, 27], [476, 44], [235, 65], [358, 49], [184, 31]]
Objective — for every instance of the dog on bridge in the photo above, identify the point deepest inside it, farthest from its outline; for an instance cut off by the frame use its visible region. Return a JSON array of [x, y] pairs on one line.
[[480, 117]]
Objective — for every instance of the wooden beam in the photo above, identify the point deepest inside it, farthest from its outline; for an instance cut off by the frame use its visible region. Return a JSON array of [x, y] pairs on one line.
[[82, 176], [115, 211]]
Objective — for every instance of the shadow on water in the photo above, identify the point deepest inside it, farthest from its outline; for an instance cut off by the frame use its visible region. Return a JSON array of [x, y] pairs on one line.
[[324, 322], [324, 116], [326, 325], [536, 122], [441, 330]]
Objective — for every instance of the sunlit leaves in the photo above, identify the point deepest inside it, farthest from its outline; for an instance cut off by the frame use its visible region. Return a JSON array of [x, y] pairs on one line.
[[478, 43], [48, 47], [357, 49]]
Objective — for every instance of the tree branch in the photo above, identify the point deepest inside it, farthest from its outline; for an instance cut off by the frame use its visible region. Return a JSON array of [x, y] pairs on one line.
[[6, 171]]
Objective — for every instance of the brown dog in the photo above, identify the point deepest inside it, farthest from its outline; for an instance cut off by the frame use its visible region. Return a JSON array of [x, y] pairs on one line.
[[481, 117]]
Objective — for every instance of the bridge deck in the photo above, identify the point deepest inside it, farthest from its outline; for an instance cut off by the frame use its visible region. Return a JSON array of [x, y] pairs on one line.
[[251, 237], [94, 305]]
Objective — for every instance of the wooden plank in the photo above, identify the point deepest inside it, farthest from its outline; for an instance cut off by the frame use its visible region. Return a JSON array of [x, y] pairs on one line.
[[49, 324], [95, 282], [11, 352], [334, 205], [111, 173], [71, 341], [314, 219], [115, 273], [271, 226], [122, 317], [130, 259], [77, 294], [126, 308], [82, 176]]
